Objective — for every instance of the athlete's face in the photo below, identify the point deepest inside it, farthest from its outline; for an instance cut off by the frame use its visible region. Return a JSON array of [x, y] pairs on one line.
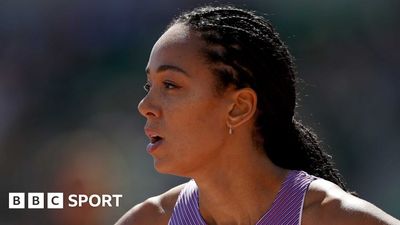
[[184, 114]]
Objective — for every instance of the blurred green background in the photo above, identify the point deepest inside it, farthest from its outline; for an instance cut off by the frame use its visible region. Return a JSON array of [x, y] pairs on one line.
[[71, 76]]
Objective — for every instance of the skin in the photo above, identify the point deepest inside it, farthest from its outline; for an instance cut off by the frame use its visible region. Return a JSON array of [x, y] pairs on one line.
[[235, 178]]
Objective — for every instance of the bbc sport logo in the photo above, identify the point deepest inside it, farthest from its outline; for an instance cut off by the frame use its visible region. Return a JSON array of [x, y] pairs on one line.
[[55, 200]]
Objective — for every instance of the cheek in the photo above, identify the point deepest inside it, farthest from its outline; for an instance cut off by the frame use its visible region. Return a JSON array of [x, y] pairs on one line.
[[197, 122]]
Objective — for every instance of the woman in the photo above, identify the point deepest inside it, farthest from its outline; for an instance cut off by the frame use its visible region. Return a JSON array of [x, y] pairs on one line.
[[219, 107]]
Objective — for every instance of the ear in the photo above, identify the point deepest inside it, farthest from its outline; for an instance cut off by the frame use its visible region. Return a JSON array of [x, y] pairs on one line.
[[243, 107]]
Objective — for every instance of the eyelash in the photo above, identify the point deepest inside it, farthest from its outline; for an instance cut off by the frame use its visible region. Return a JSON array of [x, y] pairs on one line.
[[167, 84], [147, 86]]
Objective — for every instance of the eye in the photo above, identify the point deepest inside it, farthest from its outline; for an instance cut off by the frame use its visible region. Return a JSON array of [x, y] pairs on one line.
[[169, 85], [147, 86]]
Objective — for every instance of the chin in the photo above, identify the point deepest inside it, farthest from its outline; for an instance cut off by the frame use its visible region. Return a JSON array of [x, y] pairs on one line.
[[167, 168]]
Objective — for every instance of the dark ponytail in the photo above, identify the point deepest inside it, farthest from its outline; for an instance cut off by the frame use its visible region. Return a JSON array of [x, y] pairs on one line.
[[298, 148], [244, 50]]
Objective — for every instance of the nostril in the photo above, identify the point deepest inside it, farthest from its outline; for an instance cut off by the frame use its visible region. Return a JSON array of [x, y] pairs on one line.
[[150, 114]]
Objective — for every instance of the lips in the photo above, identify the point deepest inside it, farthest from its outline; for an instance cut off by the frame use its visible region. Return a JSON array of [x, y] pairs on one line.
[[155, 140], [152, 135]]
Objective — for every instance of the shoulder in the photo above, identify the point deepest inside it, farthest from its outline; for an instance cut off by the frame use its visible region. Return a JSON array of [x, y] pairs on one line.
[[326, 203], [153, 211]]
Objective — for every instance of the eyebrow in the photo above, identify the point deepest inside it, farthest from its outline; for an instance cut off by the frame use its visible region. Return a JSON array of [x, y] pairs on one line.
[[166, 67]]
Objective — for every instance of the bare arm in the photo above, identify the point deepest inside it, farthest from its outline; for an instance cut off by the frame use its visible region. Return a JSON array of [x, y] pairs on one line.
[[328, 204], [147, 212], [358, 211], [154, 211]]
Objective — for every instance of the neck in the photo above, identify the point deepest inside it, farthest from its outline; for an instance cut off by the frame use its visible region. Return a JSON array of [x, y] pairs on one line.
[[241, 188]]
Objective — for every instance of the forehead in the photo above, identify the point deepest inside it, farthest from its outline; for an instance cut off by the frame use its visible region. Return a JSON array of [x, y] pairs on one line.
[[178, 33], [177, 46]]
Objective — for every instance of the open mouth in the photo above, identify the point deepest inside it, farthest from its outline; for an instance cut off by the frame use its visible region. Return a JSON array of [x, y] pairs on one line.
[[155, 139]]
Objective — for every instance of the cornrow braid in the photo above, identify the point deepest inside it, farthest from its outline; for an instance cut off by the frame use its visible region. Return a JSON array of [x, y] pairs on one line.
[[244, 50]]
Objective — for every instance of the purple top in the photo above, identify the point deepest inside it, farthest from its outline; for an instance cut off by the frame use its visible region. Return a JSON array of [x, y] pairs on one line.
[[285, 210]]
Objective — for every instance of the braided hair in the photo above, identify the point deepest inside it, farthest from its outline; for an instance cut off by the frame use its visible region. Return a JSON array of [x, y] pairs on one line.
[[253, 55]]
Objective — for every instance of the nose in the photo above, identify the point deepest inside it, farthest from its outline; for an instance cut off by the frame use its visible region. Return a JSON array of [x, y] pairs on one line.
[[147, 108]]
